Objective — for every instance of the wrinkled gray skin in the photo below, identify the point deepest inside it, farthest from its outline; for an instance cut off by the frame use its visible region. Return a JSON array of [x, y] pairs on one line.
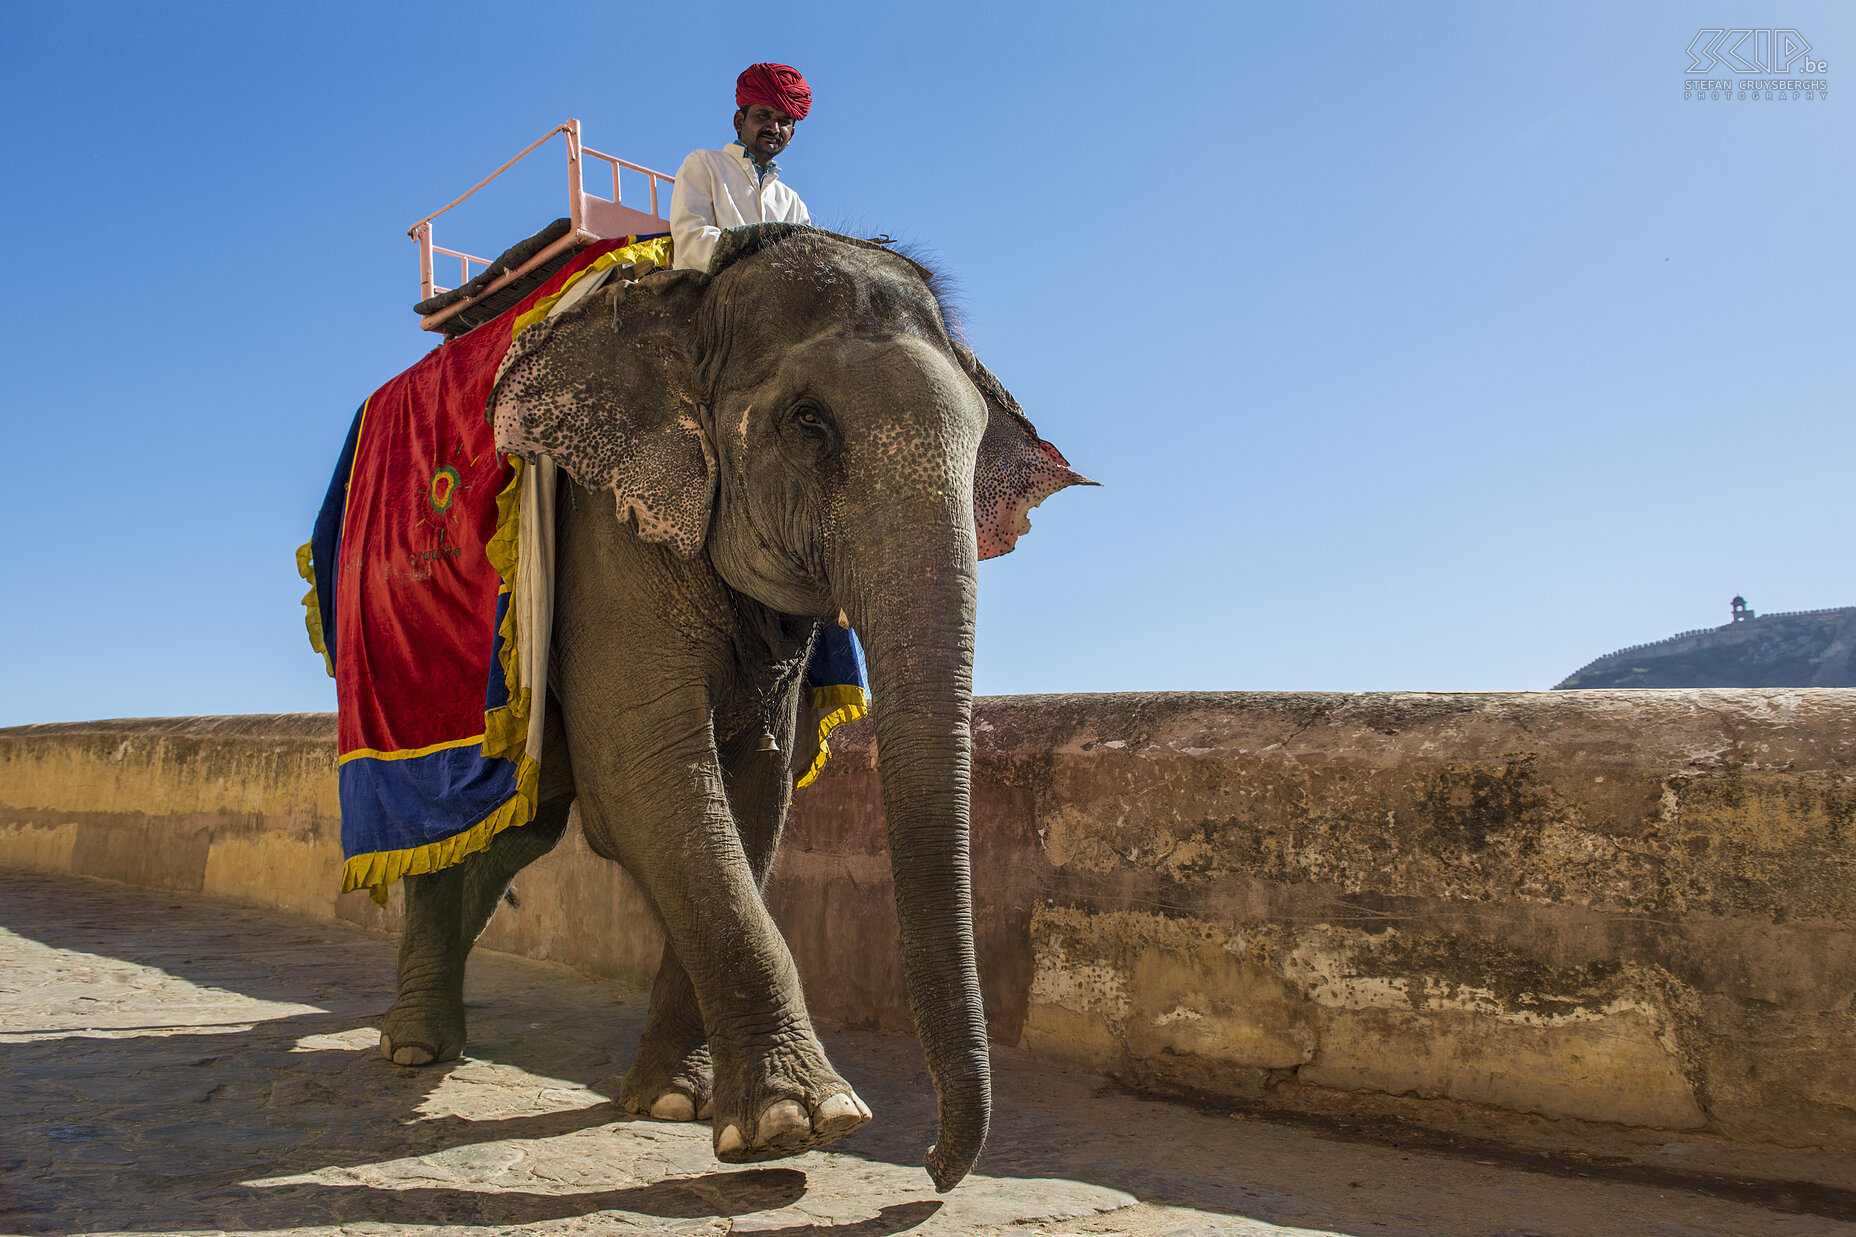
[[844, 426]]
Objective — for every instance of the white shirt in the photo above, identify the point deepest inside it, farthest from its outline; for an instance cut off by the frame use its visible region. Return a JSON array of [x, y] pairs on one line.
[[719, 189]]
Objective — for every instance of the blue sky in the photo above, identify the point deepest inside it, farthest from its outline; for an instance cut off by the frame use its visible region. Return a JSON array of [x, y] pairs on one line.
[[1417, 346]]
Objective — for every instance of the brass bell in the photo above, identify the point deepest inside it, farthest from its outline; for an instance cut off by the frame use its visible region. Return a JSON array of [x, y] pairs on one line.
[[767, 742]]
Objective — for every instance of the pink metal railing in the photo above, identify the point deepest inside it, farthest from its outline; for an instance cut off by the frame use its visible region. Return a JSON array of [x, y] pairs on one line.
[[617, 163], [590, 217], [464, 261]]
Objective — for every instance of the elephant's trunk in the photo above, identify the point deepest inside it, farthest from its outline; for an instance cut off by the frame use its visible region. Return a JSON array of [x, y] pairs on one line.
[[914, 608]]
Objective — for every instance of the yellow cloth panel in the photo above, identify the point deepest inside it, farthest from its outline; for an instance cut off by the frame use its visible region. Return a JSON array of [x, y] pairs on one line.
[[847, 703], [658, 251]]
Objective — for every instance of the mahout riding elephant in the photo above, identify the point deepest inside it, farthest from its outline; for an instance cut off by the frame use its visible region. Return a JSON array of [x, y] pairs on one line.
[[793, 436]]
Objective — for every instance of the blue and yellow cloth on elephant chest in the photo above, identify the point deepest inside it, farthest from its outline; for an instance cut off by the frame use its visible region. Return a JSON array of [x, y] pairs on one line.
[[413, 571]]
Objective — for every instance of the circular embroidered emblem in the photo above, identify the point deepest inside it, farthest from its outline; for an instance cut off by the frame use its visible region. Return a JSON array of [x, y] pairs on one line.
[[443, 489]]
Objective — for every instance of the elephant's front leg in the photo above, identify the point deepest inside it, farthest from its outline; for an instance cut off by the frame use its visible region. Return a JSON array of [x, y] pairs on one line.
[[671, 1077], [657, 803]]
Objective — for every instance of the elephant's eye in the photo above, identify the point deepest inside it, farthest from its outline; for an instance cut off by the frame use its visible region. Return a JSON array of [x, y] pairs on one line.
[[812, 429]]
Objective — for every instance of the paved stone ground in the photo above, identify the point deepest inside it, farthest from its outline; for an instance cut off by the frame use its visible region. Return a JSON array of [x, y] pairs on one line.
[[175, 1065]]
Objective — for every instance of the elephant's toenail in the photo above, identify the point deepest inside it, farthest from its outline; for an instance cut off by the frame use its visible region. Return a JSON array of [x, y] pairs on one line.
[[386, 1045], [706, 1111], [783, 1118], [411, 1055], [839, 1115], [861, 1106], [674, 1106], [729, 1142]]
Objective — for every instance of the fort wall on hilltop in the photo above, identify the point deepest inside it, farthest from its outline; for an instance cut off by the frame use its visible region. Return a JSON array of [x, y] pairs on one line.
[[1794, 648]]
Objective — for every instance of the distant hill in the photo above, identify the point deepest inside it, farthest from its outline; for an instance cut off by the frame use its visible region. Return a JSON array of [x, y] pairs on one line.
[[1803, 648]]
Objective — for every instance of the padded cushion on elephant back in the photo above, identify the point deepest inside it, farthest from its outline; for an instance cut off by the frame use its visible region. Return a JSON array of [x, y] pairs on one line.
[[514, 256]]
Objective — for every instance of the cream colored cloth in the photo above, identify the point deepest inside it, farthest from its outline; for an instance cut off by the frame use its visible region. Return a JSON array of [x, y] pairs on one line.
[[534, 599], [717, 189]]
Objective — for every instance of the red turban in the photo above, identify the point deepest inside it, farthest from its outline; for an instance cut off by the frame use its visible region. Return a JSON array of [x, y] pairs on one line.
[[776, 85]]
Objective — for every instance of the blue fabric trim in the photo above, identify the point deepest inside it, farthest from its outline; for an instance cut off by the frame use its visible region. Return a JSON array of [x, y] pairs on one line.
[[496, 695], [325, 542], [837, 660], [400, 804]]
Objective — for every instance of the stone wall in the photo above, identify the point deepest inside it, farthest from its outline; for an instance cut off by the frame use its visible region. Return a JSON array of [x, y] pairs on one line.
[[1623, 907]]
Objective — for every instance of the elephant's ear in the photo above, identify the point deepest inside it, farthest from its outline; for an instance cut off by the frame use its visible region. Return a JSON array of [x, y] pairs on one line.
[[1016, 469], [607, 390]]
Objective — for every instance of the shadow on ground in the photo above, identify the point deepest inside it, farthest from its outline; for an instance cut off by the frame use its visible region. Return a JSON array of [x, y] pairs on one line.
[[169, 1063]]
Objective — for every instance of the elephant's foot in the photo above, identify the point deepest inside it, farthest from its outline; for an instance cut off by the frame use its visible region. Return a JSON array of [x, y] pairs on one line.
[[785, 1103], [667, 1084], [413, 1034]]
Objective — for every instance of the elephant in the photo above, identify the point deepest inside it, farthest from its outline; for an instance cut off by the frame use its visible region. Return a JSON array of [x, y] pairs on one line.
[[792, 436]]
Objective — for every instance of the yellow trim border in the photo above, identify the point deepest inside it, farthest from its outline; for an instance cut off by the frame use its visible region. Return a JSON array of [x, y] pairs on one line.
[[312, 607], [305, 557], [377, 870], [405, 753], [847, 703], [505, 729]]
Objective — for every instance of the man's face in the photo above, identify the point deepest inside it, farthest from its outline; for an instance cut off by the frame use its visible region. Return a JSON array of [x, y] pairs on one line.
[[764, 130]]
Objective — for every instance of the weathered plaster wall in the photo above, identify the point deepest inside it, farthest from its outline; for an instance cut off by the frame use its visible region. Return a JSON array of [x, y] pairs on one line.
[[1630, 907]]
